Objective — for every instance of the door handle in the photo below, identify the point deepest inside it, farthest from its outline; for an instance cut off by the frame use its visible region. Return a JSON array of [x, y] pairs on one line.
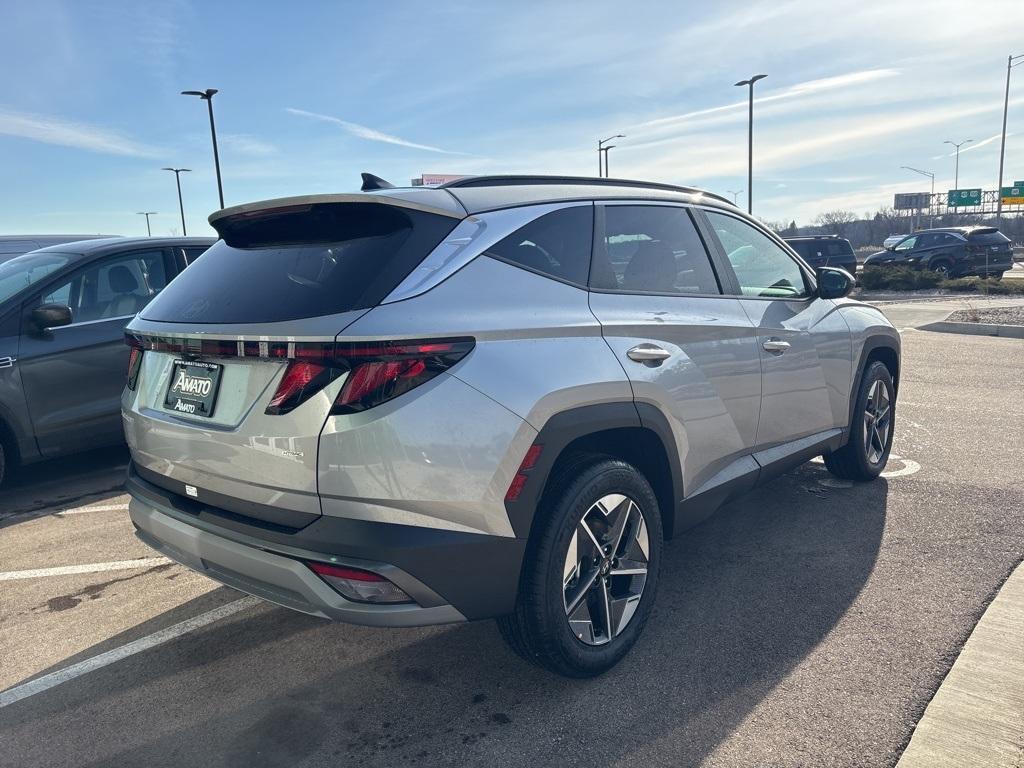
[[775, 346], [648, 353]]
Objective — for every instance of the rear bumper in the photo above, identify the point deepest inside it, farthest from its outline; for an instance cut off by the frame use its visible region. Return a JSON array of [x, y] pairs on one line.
[[452, 576]]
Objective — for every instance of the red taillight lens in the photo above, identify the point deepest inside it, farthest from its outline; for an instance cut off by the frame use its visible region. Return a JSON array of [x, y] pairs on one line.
[[359, 585], [383, 371], [134, 362], [300, 382]]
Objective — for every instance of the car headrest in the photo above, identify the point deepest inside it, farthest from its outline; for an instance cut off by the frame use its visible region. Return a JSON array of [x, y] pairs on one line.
[[122, 280], [652, 268]]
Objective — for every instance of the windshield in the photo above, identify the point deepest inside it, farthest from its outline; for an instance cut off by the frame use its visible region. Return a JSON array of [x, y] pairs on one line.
[[21, 272]]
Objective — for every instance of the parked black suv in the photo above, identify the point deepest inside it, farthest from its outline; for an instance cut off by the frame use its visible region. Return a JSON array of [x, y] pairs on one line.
[[950, 251], [63, 363], [825, 251]]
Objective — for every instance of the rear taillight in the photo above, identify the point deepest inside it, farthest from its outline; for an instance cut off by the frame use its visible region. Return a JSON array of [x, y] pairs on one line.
[[301, 381], [380, 372], [359, 585], [377, 371], [134, 361]]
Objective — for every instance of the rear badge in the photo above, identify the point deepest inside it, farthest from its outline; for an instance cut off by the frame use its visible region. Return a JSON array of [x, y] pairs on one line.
[[190, 490]]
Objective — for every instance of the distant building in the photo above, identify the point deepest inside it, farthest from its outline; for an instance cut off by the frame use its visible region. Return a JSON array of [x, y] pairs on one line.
[[433, 179]]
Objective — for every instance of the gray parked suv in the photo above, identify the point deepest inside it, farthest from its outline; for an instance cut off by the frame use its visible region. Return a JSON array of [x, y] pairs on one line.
[[493, 398], [63, 311]]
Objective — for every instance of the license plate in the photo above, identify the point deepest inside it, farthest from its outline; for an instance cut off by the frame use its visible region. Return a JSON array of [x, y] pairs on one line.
[[193, 388]]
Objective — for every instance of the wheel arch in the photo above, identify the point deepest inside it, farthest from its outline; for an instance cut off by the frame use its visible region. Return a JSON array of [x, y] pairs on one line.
[[881, 348], [637, 433]]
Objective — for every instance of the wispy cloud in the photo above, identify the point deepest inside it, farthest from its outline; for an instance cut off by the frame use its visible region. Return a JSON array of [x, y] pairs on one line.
[[972, 146], [805, 88], [247, 144], [66, 133], [370, 134]]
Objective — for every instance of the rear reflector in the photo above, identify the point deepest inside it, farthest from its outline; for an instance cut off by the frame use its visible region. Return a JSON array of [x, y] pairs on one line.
[[359, 585], [515, 488]]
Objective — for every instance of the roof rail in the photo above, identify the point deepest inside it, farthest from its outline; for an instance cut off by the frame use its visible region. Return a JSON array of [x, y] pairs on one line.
[[508, 181]]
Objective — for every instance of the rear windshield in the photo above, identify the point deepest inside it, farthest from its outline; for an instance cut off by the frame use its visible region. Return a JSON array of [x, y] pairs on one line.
[[354, 255], [989, 238]]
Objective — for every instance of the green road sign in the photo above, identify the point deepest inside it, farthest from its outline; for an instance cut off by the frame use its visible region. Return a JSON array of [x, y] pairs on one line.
[[1018, 183], [964, 197], [1013, 195]]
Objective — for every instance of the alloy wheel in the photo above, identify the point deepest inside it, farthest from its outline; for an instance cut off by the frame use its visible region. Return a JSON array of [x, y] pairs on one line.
[[877, 421], [605, 569]]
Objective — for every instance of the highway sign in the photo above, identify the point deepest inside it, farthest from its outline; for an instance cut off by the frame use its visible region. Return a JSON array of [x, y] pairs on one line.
[[964, 197], [1013, 195], [911, 201]]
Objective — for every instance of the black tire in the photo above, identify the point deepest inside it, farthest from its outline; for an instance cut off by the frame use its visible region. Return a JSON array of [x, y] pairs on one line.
[[943, 267], [538, 629], [854, 460]]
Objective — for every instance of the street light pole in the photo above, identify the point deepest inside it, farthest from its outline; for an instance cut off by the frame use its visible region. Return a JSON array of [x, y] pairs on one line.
[[956, 171], [147, 214], [181, 206], [735, 195], [207, 95], [931, 176], [601, 148], [1011, 62], [750, 141]]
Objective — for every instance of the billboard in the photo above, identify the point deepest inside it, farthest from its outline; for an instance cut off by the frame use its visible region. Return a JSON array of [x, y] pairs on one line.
[[911, 201]]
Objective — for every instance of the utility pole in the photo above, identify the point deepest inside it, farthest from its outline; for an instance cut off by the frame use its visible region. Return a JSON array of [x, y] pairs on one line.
[[181, 207]]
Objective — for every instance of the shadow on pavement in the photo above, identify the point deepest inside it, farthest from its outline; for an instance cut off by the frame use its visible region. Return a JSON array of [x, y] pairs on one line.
[[84, 477], [743, 598]]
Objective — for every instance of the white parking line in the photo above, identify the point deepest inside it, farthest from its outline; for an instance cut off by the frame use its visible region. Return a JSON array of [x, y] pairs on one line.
[[67, 570], [101, 508], [44, 683]]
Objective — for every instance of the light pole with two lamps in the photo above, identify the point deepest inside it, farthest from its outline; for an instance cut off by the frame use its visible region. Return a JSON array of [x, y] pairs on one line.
[[147, 214], [956, 171], [750, 140]]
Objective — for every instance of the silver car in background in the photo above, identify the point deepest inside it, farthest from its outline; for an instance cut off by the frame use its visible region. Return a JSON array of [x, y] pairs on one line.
[[494, 398]]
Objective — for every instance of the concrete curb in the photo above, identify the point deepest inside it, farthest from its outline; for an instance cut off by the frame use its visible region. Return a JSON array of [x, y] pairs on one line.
[[976, 718], [976, 329]]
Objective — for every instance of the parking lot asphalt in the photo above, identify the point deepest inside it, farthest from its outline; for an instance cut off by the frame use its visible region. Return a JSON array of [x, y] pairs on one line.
[[808, 623]]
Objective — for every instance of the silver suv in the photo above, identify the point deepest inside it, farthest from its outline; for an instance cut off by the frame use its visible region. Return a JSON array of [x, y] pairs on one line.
[[493, 398]]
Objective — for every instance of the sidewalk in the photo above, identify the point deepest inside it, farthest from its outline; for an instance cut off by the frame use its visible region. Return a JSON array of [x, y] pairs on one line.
[[915, 313], [976, 718]]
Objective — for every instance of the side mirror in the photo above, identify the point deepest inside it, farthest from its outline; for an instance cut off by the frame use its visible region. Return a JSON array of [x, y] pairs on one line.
[[834, 283], [51, 316]]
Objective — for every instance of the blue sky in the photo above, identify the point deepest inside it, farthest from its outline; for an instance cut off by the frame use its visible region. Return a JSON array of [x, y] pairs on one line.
[[313, 93]]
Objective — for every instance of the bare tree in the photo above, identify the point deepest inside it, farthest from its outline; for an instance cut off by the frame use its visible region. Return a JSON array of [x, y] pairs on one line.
[[837, 222]]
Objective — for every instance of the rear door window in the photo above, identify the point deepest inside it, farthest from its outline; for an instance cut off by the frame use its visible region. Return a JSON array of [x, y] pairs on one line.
[[557, 244], [305, 261], [652, 249], [117, 287]]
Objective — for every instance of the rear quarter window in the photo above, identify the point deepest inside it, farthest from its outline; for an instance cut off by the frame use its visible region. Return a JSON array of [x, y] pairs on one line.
[[318, 260], [989, 238]]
